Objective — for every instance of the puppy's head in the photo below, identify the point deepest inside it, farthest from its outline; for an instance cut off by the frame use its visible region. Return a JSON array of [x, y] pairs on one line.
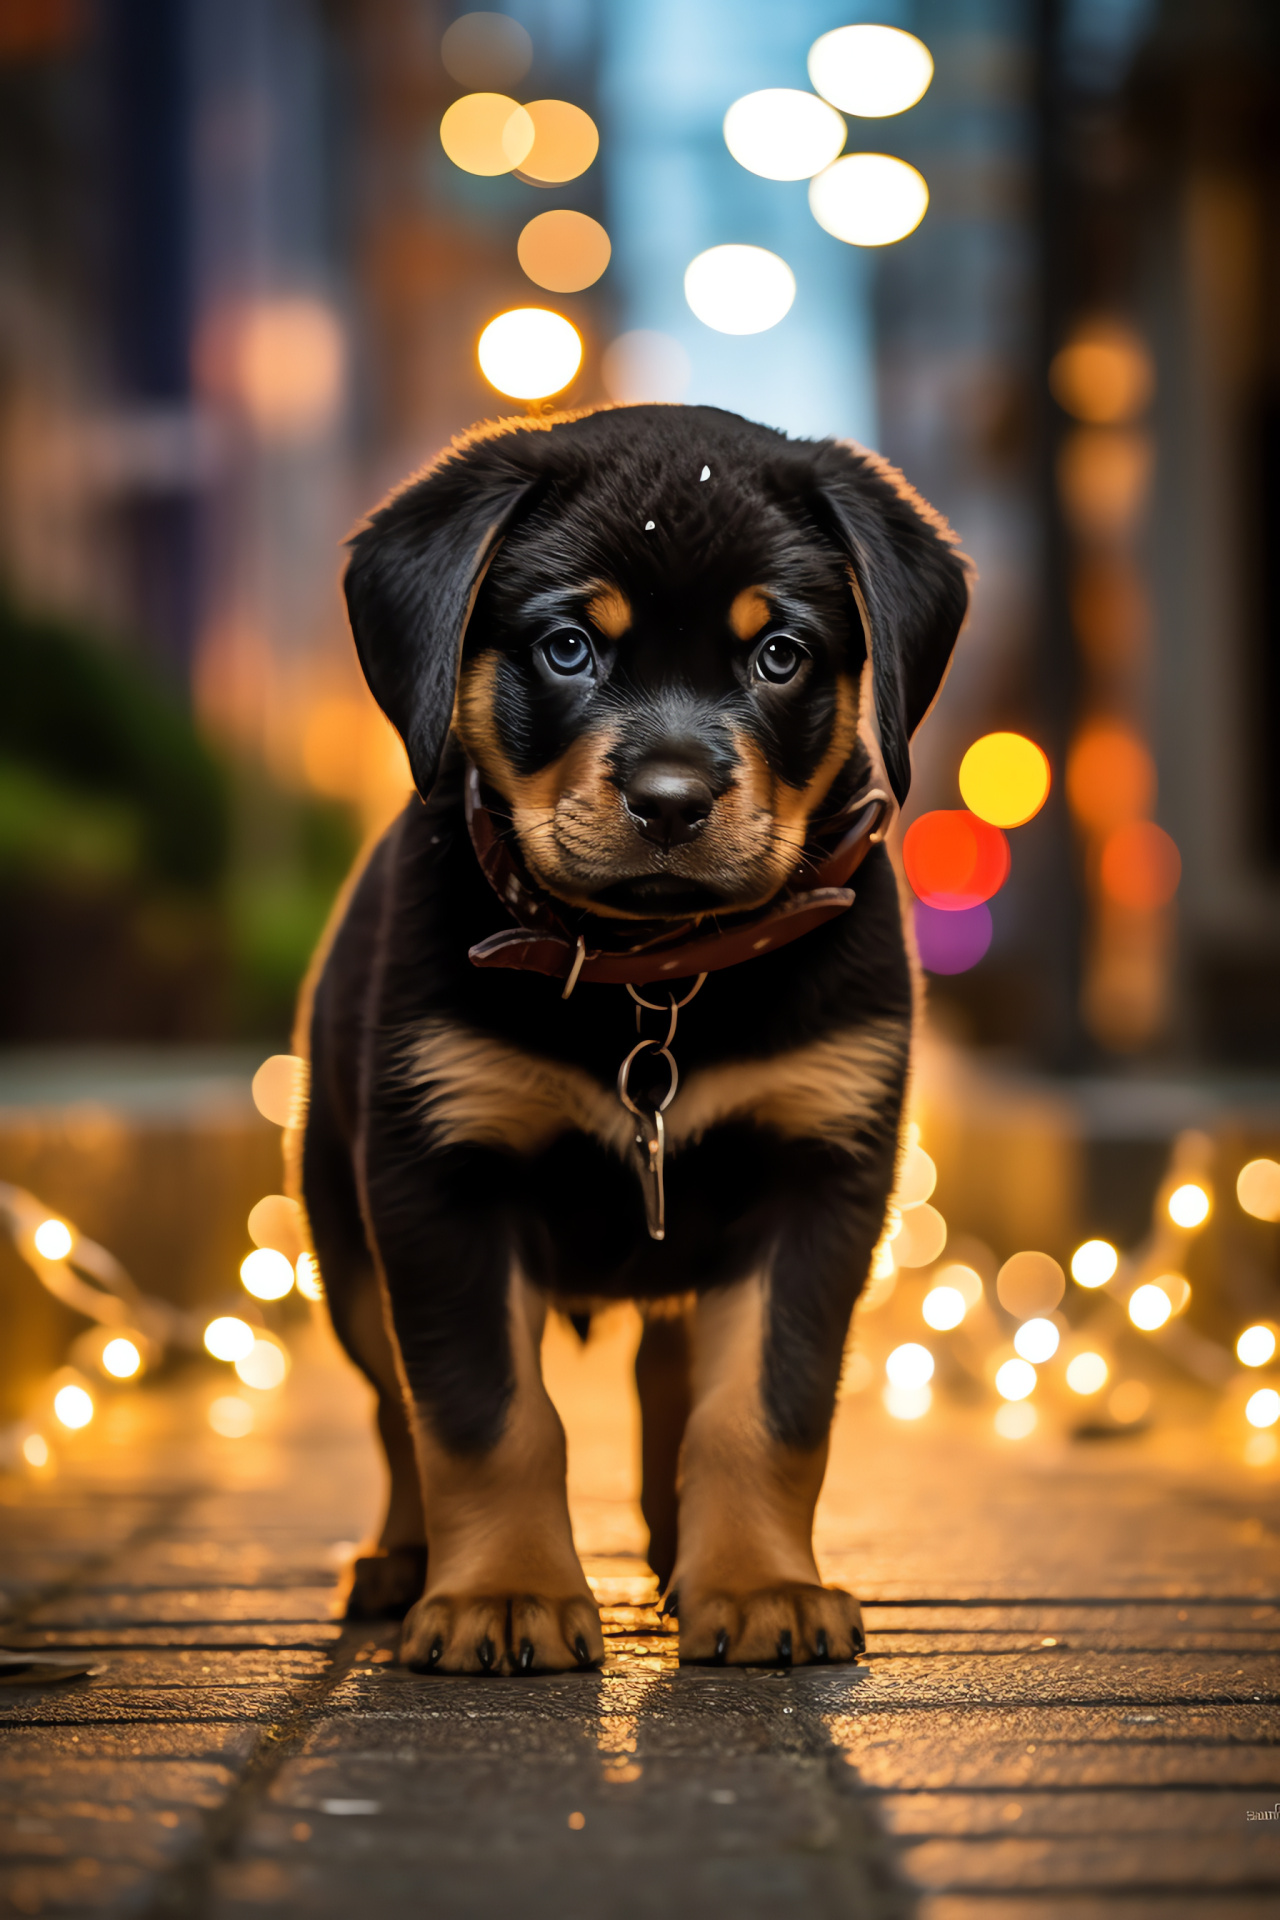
[[648, 627]]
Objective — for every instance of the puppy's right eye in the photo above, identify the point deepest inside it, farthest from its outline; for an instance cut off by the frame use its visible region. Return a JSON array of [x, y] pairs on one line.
[[567, 652]]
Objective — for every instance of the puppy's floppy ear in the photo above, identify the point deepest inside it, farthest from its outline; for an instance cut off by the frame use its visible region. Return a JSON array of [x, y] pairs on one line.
[[913, 581], [411, 581]]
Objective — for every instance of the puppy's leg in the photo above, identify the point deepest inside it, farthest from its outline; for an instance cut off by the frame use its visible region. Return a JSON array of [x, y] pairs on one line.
[[766, 1362], [505, 1588], [662, 1380]]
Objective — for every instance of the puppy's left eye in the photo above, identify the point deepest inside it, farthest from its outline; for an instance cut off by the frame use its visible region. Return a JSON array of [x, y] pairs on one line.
[[567, 652], [777, 659]]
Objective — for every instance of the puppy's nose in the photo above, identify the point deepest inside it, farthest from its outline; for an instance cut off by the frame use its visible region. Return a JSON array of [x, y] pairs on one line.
[[669, 803]]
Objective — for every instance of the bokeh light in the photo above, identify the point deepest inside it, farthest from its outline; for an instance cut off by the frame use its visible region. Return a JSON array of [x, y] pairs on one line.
[[287, 364], [917, 1178], [909, 1365], [487, 133], [966, 1281], [1262, 1409], [943, 1308], [278, 1087], [921, 1237], [739, 289], [121, 1358], [783, 133], [563, 251], [950, 942], [266, 1274], [529, 353], [1188, 1205], [1087, 1373], [1016, 1419], [53, 1239], [1030, 1284], [265, 1366], [1004, 779], [276, 1221], [35, 1450], [1111, 777], [228, 1338], [907, 1403], [486, 50], [73, 1406], [869, 199], [872, 71], [1105, 375], [1015, 1380], [1130, 1402], [1258, 1189], [1037, 1340], [1094, 1263], [645, 365], [1149, 1307], [565, 142], [1256, 1346], [954, 860], [1178, 1288], [1140, 867], [307, 1273], [231, 1416]]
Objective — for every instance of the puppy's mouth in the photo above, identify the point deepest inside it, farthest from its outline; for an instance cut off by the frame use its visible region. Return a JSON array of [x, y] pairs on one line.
[[664, 895]]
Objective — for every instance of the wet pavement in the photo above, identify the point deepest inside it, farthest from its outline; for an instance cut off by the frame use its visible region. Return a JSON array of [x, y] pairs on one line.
[[1068, 1705]]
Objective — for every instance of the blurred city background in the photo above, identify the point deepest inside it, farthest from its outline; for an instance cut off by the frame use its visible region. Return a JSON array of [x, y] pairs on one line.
[[249, 254]]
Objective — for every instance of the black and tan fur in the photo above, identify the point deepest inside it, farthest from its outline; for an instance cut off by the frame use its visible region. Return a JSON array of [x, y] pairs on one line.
[[659, 713]]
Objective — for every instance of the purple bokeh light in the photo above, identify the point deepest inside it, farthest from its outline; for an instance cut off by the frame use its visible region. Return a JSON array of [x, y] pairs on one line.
[[951, 942]]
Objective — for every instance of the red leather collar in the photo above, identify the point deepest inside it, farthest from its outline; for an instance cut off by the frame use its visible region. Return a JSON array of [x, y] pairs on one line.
[[547, 941]]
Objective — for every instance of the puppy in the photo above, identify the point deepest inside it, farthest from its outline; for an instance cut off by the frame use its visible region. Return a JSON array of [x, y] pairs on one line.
[[604, 1014]]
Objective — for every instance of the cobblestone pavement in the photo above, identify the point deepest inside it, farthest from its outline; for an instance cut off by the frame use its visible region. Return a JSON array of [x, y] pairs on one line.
[[1067, 1708]]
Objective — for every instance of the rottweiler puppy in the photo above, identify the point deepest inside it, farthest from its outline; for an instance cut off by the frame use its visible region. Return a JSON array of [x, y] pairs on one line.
[[602, 1016]]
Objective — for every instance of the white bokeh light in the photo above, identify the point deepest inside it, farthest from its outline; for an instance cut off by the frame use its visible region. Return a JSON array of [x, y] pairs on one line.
[[1037, 1340], [872, 71], [909, 1365], [529, 353], [1256, 1346], [1015, 1380], [943, 1308], [739, 289], [1094, 1263], [783, 134], [869, 199]]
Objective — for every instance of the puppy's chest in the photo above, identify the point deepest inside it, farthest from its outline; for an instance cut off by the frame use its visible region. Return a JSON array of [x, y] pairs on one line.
[[476, 1088]]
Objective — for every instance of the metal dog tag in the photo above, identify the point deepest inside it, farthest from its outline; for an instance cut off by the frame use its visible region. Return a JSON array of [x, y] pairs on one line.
[[651, 1146]]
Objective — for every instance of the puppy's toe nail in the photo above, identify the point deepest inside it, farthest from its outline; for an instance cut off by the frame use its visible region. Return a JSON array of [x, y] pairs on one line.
[[670, 1608], [784, 1646], [485, 1652], [821, 1650], [526, 1656], [722, 1645], [436, 1654], [582, 1650]]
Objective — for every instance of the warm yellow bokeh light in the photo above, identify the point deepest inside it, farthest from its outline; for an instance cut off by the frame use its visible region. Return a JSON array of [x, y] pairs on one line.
[[739, 289], [279, 1087], [307, 1272], [907, 1403], [1188, 1205], [869, 199], [943, 1308], [1256, 1346], [231, 1416], [1262, 1409], [121, 1358], [487, 133], [529, 353], [917, 1178], [1087, 1373], [1004, 779], [564, 144], [53, 1239], [1129, 1402], [921, 1237], [1105, 375], [869, 70], [35, 1450], [909, 1365], [1258, 1189], [1094, 1263], [563, 251], [1149, 1307], [1030, 1284], [1015, 1380], [228, 1338], [783, 134], [266, 1274], [287, 364], [1037, 1340], [73, 1406], [1016, 1419], [276, 1221], [645, 365], [966, 1281], [265, 1365]]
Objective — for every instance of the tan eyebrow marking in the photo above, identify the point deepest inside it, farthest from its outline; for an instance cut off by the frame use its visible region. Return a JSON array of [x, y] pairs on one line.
[[610, 610], [749, 613]]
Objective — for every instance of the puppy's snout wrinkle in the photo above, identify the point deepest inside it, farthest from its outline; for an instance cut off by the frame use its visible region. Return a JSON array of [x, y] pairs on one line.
[[669, 803]]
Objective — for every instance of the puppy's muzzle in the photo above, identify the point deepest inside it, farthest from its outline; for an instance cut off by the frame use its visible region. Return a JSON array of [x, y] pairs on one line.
[[669, 804]]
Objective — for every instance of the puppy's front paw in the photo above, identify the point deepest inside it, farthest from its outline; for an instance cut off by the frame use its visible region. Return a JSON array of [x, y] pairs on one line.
[[786, 1625], [502, 1633]]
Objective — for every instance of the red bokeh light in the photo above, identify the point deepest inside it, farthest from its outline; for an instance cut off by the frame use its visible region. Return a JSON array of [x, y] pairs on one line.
[[954, 860], [1140, 867]]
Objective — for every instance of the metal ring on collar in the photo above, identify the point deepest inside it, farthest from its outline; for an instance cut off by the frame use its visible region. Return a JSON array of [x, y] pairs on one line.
[[624, 1075]]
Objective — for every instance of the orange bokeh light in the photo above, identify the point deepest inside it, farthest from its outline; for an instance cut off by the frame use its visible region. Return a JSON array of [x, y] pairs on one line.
[[954, 860], [1140, 867], [1111, 776]]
